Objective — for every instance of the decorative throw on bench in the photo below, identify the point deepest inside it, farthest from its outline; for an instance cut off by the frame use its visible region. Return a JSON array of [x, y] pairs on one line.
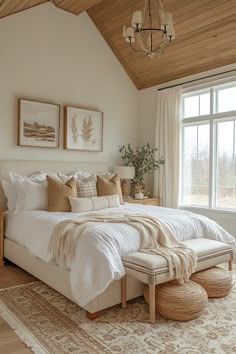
[[155, 238]]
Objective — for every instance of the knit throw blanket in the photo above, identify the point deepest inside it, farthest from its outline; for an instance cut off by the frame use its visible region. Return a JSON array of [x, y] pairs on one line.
[[155, 238]]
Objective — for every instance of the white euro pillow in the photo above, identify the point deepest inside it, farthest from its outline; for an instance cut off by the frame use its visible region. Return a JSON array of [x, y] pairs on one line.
[[37, 177], [10, 191], [78, 175], [82, 174], [14, 190], [31, 196], [79, 205], [65, 178]]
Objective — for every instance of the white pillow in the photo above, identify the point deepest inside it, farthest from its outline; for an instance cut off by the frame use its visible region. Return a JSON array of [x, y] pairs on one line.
[[79, 205], [65, 178], [107, 175], [37, 177], [82, 174], [79, 175], [31, 196], [10, 191], [54, 176]]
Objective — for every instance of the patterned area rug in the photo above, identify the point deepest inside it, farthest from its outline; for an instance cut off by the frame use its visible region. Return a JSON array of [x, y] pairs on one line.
[[49, 323]]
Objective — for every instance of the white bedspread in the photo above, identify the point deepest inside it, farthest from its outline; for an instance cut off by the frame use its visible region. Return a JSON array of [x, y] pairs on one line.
[[98, 254]]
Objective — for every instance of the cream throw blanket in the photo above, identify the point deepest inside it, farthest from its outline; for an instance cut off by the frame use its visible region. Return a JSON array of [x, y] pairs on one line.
[[155, 238]]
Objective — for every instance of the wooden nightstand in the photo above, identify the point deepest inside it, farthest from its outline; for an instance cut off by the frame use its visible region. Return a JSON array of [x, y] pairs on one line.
[[1, 237], [145, 201]]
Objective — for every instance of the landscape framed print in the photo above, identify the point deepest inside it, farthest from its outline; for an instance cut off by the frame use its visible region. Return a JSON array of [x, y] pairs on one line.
[[38, 123], [83, 129]]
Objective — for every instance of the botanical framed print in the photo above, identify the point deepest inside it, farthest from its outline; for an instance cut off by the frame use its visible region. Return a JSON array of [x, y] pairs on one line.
[[83, 129], [38, 123]]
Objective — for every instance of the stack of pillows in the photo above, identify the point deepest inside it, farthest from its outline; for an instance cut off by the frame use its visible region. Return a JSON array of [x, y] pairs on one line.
[[77, 192]]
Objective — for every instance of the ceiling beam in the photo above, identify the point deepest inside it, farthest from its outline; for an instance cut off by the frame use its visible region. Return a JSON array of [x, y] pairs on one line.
[[10, 7], [75, 6]]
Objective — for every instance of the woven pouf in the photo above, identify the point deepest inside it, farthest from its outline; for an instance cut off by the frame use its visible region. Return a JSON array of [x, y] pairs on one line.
[[216, 281], [179, 302]]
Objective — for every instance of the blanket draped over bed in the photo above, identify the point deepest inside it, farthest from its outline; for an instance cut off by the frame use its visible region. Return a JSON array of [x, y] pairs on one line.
[[155, 238]]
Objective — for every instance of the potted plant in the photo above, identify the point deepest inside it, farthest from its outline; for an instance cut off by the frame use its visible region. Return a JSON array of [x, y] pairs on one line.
[[142, 158]]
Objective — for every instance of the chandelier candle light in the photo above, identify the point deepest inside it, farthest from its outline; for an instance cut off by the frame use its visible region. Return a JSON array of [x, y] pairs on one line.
[[150, 34]]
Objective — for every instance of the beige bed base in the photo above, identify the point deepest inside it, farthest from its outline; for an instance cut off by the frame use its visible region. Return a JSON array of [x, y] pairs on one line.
[[51, 274], [59, 279]]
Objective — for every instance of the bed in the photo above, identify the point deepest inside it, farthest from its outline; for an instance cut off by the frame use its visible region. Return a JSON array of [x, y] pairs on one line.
[[28, 249]]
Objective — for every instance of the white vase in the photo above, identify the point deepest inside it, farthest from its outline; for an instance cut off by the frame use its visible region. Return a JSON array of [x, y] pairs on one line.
[[139, 195]]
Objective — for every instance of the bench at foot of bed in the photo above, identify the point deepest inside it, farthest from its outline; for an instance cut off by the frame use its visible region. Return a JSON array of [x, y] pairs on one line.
[[153, 270]]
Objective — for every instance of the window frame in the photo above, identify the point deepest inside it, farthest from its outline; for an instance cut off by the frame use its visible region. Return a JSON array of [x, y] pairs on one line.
[[212, 119]]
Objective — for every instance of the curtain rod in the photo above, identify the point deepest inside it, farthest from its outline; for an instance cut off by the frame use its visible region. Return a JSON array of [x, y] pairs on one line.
[[202, 78]]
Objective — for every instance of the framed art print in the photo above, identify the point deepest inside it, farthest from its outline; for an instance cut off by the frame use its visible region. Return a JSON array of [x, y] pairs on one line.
[[83, 129], [38, 123]]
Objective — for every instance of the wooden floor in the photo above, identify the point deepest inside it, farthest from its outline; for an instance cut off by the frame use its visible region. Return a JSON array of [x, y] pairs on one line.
[[10, 343], [11, 275]]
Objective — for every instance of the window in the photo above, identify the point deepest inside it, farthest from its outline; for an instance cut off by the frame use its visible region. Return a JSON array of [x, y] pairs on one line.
[[209, 148]]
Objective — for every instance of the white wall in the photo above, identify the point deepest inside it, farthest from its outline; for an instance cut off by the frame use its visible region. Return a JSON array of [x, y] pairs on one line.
[[52, 55]]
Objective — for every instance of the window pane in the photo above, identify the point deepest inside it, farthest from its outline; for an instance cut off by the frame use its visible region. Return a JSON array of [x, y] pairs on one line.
[[191, 106], [225, 182], [226, 100], [196, 165], [205, 104]]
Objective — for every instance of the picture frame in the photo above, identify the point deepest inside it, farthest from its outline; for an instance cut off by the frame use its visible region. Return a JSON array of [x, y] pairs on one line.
[[38, 123], [83, 129]]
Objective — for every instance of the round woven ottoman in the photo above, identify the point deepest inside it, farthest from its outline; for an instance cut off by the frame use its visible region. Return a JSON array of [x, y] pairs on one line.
[[216, 281], [179, 302]]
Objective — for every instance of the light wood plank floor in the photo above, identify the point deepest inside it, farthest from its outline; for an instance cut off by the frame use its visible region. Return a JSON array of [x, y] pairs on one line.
[[10, 343]]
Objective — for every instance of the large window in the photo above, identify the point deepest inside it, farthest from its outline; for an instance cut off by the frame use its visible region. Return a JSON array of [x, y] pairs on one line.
[[209, 148]]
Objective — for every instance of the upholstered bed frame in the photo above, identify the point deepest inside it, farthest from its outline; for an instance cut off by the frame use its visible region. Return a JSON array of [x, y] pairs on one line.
[[51, 274]]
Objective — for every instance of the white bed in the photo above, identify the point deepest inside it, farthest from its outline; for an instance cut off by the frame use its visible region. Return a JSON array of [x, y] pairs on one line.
[[51, 274], [97, 266]]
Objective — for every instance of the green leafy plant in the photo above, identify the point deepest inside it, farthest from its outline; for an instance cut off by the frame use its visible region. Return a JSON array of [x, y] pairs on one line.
[[142, 158]]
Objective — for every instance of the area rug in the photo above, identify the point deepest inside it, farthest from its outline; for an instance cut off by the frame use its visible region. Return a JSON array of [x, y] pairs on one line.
[[51, 324]]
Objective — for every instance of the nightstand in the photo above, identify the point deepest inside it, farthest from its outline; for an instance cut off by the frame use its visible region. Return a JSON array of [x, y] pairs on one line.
[[145, 201], [1, 237]]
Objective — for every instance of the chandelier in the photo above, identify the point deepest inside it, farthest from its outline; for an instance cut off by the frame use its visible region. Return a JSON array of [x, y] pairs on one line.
[[150, 34]]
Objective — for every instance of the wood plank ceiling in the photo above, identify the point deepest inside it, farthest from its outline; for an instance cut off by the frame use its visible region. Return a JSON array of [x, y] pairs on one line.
[[205, 35], [205, 38]]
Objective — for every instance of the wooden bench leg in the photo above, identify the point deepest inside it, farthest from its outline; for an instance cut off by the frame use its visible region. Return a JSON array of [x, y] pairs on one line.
[[231, 265], [152, 301], [123, 292]]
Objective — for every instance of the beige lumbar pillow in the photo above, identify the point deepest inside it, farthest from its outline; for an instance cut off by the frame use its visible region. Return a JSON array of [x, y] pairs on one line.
[[79, 205], [59, 193], [109, 186]]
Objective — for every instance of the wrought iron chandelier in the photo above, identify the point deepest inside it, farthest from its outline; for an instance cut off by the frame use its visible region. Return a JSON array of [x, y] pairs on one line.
[[150, 34]]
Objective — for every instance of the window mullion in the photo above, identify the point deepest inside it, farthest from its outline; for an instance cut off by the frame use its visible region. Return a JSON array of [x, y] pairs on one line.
[[214, 163], [182, 165], [212, 153], [234, 153]]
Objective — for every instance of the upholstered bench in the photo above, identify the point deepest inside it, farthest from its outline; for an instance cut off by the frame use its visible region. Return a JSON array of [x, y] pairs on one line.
[[153, 269]]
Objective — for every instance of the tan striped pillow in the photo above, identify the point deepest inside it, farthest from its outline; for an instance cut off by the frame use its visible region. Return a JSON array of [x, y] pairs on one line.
[[59, 193], [109, 186]]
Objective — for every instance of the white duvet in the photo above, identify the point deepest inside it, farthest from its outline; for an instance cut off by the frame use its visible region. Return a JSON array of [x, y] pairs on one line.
[[97, 260]]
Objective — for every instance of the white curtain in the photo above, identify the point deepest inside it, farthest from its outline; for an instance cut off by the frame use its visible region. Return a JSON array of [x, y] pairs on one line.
[[167, 140]]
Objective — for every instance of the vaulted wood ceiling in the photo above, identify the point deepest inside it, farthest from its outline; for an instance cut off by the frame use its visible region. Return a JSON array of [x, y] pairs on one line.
[[205, 35]]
